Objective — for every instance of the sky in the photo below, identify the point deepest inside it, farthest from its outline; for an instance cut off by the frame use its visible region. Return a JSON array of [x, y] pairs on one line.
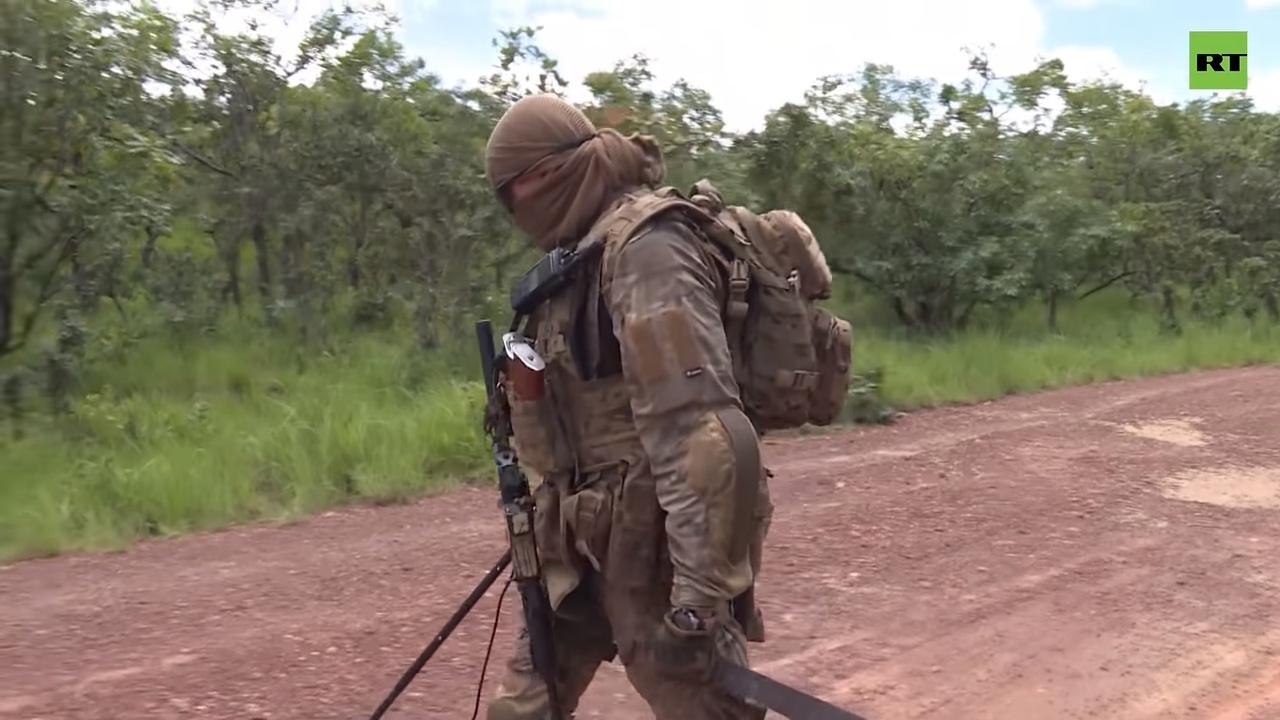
[[754, 61]]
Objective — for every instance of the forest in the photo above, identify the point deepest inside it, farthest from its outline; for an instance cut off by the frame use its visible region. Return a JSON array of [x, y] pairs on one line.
[[227, 294]]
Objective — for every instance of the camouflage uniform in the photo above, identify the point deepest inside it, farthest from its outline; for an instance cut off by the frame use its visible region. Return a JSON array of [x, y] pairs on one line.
[[648, 505], [651, 476]]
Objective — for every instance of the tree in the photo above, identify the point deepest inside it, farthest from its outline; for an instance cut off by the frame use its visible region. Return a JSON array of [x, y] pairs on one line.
[[183, 174]]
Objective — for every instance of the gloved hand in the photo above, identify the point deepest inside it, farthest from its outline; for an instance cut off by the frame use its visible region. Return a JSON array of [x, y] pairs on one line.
[[685, 645]]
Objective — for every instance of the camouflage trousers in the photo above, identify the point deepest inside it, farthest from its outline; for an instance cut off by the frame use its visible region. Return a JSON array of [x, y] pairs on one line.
[[620, 589]]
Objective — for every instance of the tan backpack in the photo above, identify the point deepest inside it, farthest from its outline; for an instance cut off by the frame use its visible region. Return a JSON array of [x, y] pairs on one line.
[[792, 358]]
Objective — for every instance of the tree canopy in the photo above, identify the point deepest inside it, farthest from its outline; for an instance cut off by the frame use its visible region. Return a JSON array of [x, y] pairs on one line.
[[168, 172], [237, 280]]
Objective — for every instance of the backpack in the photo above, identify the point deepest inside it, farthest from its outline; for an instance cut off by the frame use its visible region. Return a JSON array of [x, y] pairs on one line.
[[791, 358]]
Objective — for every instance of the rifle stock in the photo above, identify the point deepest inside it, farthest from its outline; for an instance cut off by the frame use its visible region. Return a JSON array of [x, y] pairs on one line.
[[518, 508]]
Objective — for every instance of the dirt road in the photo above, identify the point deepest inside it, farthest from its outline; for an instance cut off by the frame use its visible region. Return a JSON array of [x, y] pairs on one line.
[[1102, 552]]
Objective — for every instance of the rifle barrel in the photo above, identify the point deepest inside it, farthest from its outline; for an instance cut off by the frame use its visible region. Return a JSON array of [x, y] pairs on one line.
[[484, 338]]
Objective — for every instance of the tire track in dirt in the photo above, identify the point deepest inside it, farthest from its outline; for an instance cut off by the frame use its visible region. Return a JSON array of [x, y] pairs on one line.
[[1017, 559]]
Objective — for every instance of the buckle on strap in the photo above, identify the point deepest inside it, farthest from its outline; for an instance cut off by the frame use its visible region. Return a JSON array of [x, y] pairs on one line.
[[739, 283]]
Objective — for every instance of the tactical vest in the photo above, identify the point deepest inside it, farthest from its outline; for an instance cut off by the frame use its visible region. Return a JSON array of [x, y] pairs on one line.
[[583, 423], [791, 358]]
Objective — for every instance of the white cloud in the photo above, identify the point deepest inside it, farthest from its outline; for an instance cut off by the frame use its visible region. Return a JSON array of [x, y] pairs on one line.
[[1085, 4], [1091, 63], [1264, 88], [1261, 4], [752, 62], [286, 22]]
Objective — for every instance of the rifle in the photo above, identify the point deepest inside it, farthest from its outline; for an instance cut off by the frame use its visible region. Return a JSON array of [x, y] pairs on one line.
[[518, 507]]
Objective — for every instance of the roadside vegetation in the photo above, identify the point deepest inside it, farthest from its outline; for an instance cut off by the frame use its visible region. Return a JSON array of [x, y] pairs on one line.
[[243, 297]]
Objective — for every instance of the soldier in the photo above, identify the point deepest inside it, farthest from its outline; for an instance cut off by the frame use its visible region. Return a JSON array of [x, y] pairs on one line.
[[650, 469]]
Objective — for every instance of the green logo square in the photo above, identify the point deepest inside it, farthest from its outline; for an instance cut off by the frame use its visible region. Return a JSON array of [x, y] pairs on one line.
[[1219, 61]]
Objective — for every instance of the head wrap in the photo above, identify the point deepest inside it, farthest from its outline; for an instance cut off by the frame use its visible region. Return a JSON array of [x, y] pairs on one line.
[[585, 168]]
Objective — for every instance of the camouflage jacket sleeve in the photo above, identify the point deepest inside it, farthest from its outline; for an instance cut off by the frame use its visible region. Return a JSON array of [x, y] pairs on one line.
[[665, 301]]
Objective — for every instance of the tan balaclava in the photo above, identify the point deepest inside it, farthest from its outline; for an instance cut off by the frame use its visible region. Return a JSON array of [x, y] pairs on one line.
[[588, 168]]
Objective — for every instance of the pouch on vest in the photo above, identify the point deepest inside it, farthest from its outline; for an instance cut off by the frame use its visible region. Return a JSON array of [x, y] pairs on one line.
[[536, 435]]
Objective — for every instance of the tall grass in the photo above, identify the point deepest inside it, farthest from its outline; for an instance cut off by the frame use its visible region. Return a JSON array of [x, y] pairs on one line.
[[1104, 338], [240, 429], [243, 425]]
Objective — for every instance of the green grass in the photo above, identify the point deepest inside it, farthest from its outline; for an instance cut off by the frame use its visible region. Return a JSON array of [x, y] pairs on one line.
[[1102, 340], [243, 425], [178, 441]]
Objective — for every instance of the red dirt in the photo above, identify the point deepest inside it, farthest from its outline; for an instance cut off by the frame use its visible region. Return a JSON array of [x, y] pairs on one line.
[[1019, 559]]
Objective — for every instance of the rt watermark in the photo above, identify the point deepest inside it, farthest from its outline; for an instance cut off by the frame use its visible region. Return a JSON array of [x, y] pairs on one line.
[[1219, 60]]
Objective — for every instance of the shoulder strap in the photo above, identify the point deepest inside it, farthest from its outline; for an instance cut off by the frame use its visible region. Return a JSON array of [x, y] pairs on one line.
[[619, 227], [621, 223]]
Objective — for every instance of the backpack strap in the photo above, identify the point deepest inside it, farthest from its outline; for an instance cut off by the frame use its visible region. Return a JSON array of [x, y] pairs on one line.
[[718, 225], [621, 222], [736, 305], [618, 227]]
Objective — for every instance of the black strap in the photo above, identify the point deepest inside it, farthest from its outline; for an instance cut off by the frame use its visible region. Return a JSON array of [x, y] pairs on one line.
[[755, 688]]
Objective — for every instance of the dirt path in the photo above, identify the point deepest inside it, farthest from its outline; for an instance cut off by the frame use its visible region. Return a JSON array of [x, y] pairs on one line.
[[1103, 552]]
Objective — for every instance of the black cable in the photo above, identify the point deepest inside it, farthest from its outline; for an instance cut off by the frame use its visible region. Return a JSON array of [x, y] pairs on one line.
[[493, 634]]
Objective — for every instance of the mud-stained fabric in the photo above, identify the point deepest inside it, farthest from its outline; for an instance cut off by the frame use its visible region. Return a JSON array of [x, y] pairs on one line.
[[614, 561], [579, 168], [650, 476], [582, 641], [754, 630], [664, 295], [617, 610]]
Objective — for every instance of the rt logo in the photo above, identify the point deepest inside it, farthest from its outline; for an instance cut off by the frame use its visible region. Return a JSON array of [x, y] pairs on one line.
[[1219, 61]]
